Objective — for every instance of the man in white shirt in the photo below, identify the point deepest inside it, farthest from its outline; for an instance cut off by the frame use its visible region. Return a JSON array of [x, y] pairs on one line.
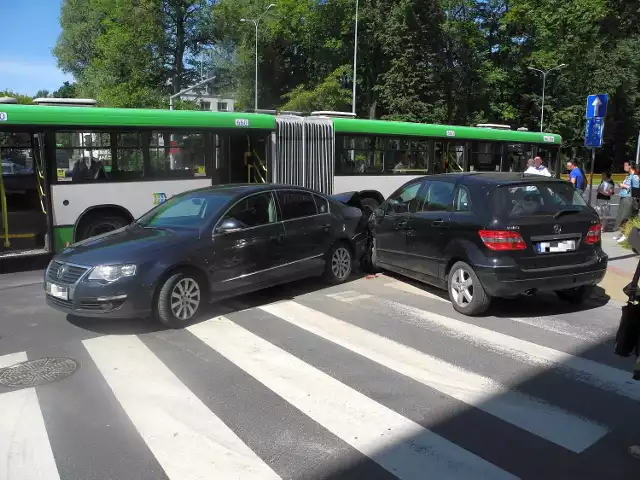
[[538, 168]]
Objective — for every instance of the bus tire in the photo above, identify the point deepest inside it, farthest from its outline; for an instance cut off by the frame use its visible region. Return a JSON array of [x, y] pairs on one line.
[[369, 204], [98, 224]]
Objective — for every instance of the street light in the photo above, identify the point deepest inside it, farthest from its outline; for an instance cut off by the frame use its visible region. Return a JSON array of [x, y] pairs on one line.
[[255, 22], [355, 62], [544, 84]]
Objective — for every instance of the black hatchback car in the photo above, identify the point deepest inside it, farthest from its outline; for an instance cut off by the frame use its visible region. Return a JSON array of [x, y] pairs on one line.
[[483, 234], [207, 244]]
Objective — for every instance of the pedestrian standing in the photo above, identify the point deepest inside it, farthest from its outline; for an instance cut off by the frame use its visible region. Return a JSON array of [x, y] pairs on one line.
[[606, 190], [625, 208], [576, 177]]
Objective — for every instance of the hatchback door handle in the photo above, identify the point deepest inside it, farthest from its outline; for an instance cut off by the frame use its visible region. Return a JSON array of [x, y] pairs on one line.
[[437, 223]]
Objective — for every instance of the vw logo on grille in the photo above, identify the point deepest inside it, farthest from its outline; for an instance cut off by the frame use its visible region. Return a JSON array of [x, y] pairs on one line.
[[62, 269], [557, 228]]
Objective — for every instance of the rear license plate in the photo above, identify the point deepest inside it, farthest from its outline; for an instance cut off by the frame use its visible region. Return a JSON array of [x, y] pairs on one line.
[[557, 247], [57, 291]]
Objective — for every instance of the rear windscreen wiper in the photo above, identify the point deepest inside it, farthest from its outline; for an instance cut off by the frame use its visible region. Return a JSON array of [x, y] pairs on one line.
[[566, 211]]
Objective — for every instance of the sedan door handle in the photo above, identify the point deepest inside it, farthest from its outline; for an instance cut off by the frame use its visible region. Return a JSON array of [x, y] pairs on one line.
[[277, 237], [437, 223], [326, 227]]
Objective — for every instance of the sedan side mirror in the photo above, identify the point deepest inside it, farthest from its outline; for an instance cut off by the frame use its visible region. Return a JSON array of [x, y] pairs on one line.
[[229, 226]]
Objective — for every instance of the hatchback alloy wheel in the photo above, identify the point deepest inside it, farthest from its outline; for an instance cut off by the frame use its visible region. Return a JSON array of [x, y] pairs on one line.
[[185, 298], [462, 287]]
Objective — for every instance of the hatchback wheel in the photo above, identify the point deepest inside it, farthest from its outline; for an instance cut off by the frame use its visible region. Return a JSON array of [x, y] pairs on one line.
[[465, 290], [576, 295], [180, 300], [339, 263]]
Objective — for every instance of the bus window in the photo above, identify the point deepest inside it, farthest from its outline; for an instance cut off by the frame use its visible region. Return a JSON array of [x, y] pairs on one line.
[[486, 157], [550, 159], [177, 154], [449, 157], [516, 157], [15, 152]]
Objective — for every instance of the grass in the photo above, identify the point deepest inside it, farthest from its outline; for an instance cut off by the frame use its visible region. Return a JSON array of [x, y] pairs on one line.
[[616, 177], [633, 222]]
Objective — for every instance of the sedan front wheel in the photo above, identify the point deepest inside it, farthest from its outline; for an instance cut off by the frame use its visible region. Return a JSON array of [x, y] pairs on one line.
[[180, 300], [339, 263]]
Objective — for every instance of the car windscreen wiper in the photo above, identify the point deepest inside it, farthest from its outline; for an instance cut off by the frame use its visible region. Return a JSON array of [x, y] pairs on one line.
[[566, 211]]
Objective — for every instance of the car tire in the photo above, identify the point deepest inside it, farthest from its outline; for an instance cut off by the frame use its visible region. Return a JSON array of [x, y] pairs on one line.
[[188, 295], [339, 264], [466, 292], [369, 262], [576, 295]]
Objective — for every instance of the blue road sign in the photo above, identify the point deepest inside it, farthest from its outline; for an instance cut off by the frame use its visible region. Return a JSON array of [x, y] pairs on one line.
[[594, 132], [597, 105]]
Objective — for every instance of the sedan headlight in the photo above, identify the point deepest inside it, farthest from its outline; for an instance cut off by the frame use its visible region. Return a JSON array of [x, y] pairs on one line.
[[111, 273]]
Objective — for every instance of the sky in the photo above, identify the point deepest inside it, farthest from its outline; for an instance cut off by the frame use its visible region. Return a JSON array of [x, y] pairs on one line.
[[29, 32]]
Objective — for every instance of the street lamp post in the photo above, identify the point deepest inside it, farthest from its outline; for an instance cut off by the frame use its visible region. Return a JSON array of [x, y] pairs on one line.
[[544, 85], [355, 62], [256, 22]]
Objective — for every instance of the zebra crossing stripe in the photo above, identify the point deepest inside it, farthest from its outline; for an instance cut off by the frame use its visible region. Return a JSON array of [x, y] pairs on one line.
[[25, 452], [533, 415], [584, 370], [12, 359], [398, 444], [189, 441]]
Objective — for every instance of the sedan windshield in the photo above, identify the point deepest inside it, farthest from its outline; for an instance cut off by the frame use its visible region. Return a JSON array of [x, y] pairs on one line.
[[189, 211]]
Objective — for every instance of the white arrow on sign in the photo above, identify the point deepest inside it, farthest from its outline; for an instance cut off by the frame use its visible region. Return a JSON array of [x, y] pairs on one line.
[[596, 106]]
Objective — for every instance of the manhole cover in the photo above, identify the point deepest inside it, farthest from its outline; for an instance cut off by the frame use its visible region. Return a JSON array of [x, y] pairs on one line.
[[37, 372]]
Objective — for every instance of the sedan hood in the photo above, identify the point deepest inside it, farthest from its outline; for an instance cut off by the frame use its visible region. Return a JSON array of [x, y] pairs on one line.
[[124, 245]]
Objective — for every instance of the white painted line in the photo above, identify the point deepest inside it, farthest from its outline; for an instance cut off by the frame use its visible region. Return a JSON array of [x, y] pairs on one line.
[[406, 287], [187, 439], [582, 369], [552, 325], [25, 452], [401, 446], [349, 296], [12, 359], [531, 414]]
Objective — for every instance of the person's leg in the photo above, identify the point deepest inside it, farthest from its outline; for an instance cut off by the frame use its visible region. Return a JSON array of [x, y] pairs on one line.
[[624, 210]]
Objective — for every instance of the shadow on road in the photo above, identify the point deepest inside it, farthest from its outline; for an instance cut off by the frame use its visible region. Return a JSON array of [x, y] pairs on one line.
[[521, 453]]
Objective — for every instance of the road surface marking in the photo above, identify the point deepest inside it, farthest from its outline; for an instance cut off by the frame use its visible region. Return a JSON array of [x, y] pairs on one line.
[[582, 369], [529, 413], [187, 439], [25, 452], [349, 296], [407, 287], [12, 359], [396, 443]]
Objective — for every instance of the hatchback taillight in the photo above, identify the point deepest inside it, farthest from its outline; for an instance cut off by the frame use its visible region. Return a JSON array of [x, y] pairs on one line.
[[594, 235], [502, 240]]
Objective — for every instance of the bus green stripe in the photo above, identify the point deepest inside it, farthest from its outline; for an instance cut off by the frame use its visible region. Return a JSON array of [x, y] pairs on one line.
[[381, 127], [62, 235], [133, 117]]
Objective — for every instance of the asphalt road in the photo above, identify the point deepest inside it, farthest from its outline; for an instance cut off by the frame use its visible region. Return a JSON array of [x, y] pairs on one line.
[[374, 379]]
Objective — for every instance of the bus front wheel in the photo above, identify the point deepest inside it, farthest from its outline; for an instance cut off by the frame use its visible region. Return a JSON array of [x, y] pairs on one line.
[[99, 224]]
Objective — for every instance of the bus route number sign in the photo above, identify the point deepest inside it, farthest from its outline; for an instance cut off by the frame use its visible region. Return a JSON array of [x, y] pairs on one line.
[[3, 117], [242, 122], [548, 138], [451, 133]]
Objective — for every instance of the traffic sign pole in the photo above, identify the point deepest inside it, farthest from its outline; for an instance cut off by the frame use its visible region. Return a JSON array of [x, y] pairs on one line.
[[593, 163]]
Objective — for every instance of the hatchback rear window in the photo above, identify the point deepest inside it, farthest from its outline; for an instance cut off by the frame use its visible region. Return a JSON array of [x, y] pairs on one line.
[[525, 200]]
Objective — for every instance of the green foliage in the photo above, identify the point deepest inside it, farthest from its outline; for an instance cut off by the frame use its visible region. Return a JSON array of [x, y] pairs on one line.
[[66, 90], [445, 61]]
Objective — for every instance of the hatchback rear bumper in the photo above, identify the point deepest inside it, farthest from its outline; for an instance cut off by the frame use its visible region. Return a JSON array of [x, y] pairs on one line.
[[505, 283]]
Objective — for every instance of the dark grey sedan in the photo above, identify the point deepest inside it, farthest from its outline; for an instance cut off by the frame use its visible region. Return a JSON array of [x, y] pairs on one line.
[[206, 245]]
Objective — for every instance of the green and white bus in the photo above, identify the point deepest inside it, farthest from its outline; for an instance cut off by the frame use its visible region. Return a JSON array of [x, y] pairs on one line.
[[72, 170]]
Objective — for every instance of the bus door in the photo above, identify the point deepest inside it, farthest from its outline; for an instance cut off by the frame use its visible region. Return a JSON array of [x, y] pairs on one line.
[[23, 192], [242, 157]]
